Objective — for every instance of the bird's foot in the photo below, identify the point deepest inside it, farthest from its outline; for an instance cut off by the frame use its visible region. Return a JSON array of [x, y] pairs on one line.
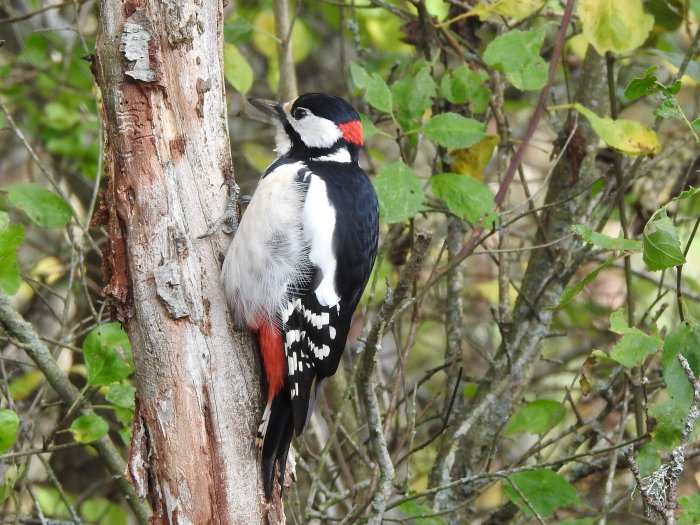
[[228, 221]]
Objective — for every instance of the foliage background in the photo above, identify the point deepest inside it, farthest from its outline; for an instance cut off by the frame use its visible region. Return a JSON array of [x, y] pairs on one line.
[[485, 389]]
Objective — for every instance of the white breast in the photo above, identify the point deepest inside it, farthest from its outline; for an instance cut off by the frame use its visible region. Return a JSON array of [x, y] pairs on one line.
[[267, 253]]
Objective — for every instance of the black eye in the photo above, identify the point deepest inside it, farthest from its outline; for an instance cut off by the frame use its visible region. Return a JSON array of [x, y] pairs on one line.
[[299, 113]]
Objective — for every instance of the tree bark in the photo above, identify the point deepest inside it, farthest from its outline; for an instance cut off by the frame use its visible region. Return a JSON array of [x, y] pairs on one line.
[[159, 65]]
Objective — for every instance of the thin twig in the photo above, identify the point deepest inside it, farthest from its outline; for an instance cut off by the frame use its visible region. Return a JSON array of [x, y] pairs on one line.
[[20, 329], [539, 109], [367, 387]]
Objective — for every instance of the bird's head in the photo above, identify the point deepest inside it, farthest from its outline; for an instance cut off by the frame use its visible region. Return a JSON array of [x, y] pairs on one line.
[[315, 126]]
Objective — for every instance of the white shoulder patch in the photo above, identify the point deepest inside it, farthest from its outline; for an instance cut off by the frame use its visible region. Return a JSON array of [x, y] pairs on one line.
[[319, 224]]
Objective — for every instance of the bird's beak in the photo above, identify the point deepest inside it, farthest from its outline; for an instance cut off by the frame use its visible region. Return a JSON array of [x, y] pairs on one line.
[[269, 107]]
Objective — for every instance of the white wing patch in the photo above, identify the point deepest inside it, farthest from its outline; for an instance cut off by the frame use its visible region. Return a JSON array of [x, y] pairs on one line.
[[319, 224]]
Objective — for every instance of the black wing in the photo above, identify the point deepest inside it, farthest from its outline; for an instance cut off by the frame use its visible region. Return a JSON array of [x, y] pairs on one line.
[[315, 334]]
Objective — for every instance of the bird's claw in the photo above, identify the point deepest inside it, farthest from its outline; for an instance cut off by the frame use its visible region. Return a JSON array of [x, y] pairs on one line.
[[228, 221]]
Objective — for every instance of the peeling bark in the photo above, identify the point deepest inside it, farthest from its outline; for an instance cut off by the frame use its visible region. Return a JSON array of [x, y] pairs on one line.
[[159, 66]]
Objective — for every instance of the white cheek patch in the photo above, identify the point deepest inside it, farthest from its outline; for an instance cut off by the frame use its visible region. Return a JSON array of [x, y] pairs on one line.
[[316, 132]]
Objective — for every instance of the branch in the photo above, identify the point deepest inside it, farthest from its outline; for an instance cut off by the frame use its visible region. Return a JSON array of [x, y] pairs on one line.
[[27, 16], [367, 387], [283, 31], [544, 94], [24, 332], [660, 489]]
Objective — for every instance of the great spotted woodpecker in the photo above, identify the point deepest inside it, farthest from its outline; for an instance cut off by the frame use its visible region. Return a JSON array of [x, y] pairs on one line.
[[300, 259]]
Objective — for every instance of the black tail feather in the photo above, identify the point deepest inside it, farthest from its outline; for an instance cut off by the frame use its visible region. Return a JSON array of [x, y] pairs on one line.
[[277, 440]]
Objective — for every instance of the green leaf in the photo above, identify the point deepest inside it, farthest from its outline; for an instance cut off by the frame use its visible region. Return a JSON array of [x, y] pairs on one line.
[[368, 128], [103, 512], [643, 86], [11, 237], [237, 31], [125, 435], [50, 501], [59, 117], [121, 395], [669, 108], [618, 322], [412, 96], [11, 477], [536, 417], [462, 86], [668, 14], [627, 136], [573, 290], [377, 93], [43, 207], [605, 241], [685, 340], [619, 26], [107, 354], [399, 191], [673, 89], [546, 491], [124, 415], [670, 418], [695, 125], [9, 424], [648, 459], [662, 246], [415, 510], [237, 71], [466, 197], [86, 429], [690, 506], [454, 131], [517, 54], [634, 346], [686, 194]]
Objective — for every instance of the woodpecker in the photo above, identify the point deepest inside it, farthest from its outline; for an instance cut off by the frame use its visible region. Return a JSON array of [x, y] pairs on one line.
[[300, 259]]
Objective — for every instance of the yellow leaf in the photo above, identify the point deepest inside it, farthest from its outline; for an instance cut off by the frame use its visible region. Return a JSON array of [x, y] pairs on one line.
[[472, 160], [619, 26], [630, 137], [25, 385], [265, 41], [49, 270], [577, 45], [515, 9]]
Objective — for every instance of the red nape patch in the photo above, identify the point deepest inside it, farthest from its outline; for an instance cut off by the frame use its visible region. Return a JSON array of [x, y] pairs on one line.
[[273, 356], [352, 132]]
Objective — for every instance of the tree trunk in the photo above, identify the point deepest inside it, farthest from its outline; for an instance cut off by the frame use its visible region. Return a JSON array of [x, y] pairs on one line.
[[160, 68]]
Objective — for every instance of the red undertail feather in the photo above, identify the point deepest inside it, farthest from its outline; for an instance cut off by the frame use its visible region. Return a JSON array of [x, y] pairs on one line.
[[352, 132], [273, 357]]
